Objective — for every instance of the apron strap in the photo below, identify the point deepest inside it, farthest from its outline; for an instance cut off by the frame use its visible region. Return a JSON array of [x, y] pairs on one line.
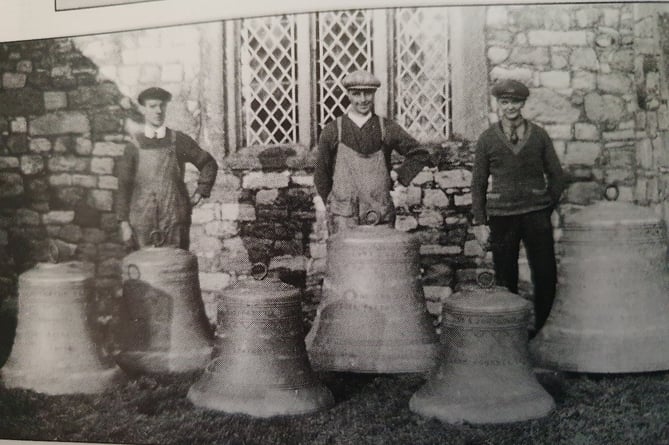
[[383, 129], [338, 129]]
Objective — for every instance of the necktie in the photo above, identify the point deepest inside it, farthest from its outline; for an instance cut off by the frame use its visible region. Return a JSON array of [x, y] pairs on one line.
[[514, 136]]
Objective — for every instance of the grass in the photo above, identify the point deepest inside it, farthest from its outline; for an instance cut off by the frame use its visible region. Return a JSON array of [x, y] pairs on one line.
[[369, 409]]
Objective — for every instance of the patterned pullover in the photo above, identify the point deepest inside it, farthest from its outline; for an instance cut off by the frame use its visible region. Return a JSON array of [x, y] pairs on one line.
[[524, 177]]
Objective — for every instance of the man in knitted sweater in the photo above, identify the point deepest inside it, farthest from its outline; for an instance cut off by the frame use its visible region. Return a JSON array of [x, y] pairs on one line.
[[526, 181]]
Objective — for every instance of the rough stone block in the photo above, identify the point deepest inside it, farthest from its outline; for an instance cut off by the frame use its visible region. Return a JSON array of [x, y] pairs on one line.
[[555, 79], [13, 80], [17, 143], [616, 83], [222, 229], [552, 38], [413, 196], [584, 153], [558, 131], [58, 217], [260, 180], [528, 55], [497, 17], [430, 218], [587, 17], [27, 217], [437, 293], [108, 182], [583, 193], [584, 58], [101, 200], [435, 198], [40, 145], [55, 100], [68, 164], [605, 108], [237, 212], [11, 185], [618, 135], [437, 249], [8, 162], [108, 149], [60, 122], [23, 101], [497, 54], [19, 125], [266, 197], [102, 166], [522, 74], [405, 223], [86, 181], [83, 146], [214, 281], [60, 180], [586, 132], [546, 105], [473, 248], [453, 178], [584, 80], [111, 267], [463, 200], [303, 180], [205, 213], [423, 177], [32, 164]]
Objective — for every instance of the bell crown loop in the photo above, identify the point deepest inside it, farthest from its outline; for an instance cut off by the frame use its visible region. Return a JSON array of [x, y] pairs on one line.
[[157, 238], [611, 192], [372, 218], [259, 271], [53, 253], [485, 279]]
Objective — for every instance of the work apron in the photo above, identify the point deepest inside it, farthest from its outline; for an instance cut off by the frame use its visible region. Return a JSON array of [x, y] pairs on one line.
[[360, 184], [158, 203]]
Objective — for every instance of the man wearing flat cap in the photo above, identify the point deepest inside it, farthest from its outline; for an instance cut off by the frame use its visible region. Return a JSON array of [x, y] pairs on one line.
[[526, 182], [152, 196], [353, 172]]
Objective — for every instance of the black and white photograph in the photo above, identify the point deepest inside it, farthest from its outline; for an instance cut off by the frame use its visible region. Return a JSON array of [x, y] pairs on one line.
[[411, 223]]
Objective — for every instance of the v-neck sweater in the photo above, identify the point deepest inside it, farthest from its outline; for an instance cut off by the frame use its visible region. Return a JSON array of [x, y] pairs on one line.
[[524, 177]]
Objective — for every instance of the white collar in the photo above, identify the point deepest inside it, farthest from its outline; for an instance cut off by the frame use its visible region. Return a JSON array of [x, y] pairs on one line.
[[158, 133], [358, 119]]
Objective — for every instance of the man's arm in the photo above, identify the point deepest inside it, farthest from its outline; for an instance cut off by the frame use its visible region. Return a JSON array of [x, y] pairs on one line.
[[126, 167], [555, 177], [415, 156], [480, 174], [325, 160], [189, 151]]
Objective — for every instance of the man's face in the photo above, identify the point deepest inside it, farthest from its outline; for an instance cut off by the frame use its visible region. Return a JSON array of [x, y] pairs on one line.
[[510, 107], [362, 101], [154, 111]]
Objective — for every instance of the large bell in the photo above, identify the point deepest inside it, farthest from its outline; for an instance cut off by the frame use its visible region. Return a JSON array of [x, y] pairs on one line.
[[610, 312], [373, 317], [57, 349], [163, 327], [485, 374], [260, 364]]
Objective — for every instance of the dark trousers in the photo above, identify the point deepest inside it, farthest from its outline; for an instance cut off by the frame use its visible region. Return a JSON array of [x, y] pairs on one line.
[[535, 230]]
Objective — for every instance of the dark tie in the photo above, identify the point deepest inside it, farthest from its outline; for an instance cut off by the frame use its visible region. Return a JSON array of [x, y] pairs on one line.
[[514, 136]]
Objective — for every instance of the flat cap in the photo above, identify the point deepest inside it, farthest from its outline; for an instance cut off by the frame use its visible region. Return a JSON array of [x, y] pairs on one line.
[[361, 80], [154, 93], [510, 88]]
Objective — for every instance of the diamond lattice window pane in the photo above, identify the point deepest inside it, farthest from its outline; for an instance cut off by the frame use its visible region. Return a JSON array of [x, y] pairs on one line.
[[422, 72], [269, 80], [344, 44]]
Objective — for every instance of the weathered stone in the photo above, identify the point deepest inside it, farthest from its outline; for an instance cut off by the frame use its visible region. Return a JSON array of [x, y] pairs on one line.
[[585, 153], [586, 132], [522, 74], [496, 17], [60, 122], [583, 58], [423, 177], [32, 164], [607, 109], [587, 17], [58, 217], [102, 166], [223, 229], [26, 217], [614, 83], [8, 162], [436, 249], [70, 233], [559, 58], [435, 198], [499, 37], [555, 79], [551, 38], [260, 180], [214, 281], [266, 197], [101, 199], [558, 131], [462, 200], [17, 143], [621, 158], [86, 181], [644, 153], [405, 223], [40, 145], [237, 212], [302, 180], [205, 213], [108, 149], [108, 182], [497, 54], [618, 135], [622, 60], [619, 176], [24, 66], [99, 95], [528, 55], [473, 248], [19, 125], [107, 121], [413, 196], [558, 19], [545, 105], [430, 218], [13, 80], [453, 178], [69, 197], [55, 100], [64, 144], [87, 252], [11, 185], [68, 164]]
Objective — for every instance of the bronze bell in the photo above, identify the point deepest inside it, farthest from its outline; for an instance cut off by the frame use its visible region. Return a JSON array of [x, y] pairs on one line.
[[610, 312], [260, 364], [485, 374], [373, 317], [163, 327], [57, 348]]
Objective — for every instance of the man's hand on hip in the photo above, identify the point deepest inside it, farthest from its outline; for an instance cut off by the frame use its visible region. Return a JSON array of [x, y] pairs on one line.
[[482, 234], [195, 199], [126, 231]]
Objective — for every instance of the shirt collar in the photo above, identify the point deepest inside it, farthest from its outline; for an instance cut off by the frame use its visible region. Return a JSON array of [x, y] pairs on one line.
[[158, 133], [358, 119]]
